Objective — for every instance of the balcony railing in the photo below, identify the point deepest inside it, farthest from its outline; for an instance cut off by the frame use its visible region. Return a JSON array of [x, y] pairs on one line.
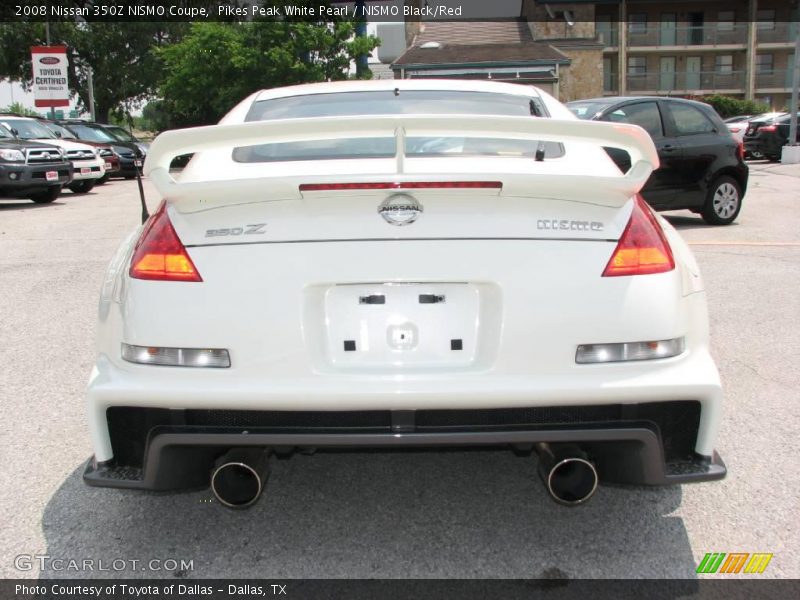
[[775, 79], [701, 81], [688, 35], [767, 33], [609, 37], [609, 82], [699, 35]]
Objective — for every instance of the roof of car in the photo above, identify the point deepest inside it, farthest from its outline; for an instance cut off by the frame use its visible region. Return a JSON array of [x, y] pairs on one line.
[[619, 99], [496, 87]]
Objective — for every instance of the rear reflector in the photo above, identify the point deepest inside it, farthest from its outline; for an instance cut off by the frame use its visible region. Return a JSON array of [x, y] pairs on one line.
[[159, 253], [400, 185], [643, 249], [605, 353], [176, 357]]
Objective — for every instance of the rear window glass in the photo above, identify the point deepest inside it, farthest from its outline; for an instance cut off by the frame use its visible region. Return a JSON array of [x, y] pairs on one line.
[[395, 102], [689, 120]]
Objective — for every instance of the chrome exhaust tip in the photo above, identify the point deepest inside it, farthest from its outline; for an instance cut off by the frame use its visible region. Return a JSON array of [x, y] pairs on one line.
[[570, 477], [239, 477]]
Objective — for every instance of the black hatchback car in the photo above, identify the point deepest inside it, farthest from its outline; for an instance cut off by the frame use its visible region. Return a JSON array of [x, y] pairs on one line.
[[767, 138], [702, 166]]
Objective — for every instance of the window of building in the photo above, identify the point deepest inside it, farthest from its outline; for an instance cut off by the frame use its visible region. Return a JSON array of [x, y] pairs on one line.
[[764, 63], [725, 19], [637, 66], [766, 18], [689, 120], [637, 23], [724, 63]]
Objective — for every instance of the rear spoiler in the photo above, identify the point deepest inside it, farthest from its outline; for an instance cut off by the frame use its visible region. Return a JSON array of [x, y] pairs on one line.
[[606, 190]]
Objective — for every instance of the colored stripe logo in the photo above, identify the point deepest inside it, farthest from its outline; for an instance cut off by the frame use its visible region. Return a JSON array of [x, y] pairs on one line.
[[734, 562]]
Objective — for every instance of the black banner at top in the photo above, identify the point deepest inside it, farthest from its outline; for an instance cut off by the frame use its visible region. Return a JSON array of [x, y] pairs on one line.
[[569, 13]]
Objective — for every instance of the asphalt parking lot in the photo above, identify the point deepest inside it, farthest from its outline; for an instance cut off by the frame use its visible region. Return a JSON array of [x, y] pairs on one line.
[[481, 513]]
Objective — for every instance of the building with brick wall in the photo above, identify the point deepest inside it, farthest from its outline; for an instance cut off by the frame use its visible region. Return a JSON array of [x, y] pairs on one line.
[[580, 48]]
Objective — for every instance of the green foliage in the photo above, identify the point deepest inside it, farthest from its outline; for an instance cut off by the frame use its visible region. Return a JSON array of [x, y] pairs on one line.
[[217, 65], [19, 109], [126, 68], [727, 106], [154, 117], [201, 69]]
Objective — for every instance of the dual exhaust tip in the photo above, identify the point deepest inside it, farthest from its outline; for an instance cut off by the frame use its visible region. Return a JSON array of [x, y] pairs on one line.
[[239, 477], [568, 474]]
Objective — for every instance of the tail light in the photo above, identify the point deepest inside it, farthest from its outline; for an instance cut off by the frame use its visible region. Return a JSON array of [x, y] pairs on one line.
[[740, 150], [768, 128], [159, 253], [643, 249]]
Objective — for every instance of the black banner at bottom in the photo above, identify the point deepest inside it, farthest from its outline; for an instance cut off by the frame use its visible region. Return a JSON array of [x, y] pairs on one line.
[[389, 589]]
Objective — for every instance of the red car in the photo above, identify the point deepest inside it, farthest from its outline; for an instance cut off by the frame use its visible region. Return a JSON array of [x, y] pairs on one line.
[[106, 151]]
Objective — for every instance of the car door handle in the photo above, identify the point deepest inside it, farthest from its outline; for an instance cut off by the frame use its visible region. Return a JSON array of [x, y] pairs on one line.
[[667, 148]]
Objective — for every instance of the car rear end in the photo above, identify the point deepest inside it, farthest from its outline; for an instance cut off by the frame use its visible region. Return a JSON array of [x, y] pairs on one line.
[[420, 298]]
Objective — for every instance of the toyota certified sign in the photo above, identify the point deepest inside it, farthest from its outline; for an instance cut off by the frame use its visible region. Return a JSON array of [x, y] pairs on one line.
[[50, 76]]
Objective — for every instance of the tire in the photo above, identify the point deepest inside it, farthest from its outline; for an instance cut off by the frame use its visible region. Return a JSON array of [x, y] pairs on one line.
[[82, 187], [773, 158], [103, 179], [46, 197], [723, 202]]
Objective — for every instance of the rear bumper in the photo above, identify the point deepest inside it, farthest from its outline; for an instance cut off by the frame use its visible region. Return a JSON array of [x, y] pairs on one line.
[[648, 443], [768, 146]]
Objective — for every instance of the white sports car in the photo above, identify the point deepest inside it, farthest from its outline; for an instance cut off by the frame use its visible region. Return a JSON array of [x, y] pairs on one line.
[[402, 263]]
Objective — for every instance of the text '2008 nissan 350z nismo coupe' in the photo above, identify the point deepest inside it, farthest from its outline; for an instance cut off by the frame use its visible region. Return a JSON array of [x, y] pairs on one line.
[[402, 263]]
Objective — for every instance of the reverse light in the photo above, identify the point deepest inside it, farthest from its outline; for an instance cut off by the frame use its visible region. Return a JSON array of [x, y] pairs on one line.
[[159, 253], [628, 351], [400, 185], [643, 249], [177, 357]]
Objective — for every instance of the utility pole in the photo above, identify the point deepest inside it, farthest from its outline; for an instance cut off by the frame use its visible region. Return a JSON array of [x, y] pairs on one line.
[[90, 83], [791, 151], [361, 31], [47, 37]]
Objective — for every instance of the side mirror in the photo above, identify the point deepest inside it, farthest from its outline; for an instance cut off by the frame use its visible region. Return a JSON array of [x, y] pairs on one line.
[[58, 134]]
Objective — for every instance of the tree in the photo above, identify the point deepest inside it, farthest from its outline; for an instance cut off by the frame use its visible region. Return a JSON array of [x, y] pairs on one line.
[[216, 65], [125, 67]]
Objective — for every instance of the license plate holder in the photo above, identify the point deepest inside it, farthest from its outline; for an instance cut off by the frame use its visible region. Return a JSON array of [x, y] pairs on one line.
[[400, 326]]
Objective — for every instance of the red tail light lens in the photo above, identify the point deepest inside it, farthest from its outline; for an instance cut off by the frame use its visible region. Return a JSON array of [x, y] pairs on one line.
[[740, 150], [159, 253], [643, 249], [768, 128]]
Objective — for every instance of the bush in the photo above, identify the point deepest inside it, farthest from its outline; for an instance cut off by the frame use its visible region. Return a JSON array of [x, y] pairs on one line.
[[733, 107]]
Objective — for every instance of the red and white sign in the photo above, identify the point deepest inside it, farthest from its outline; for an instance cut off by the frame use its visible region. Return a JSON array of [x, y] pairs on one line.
[[50, 86]]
